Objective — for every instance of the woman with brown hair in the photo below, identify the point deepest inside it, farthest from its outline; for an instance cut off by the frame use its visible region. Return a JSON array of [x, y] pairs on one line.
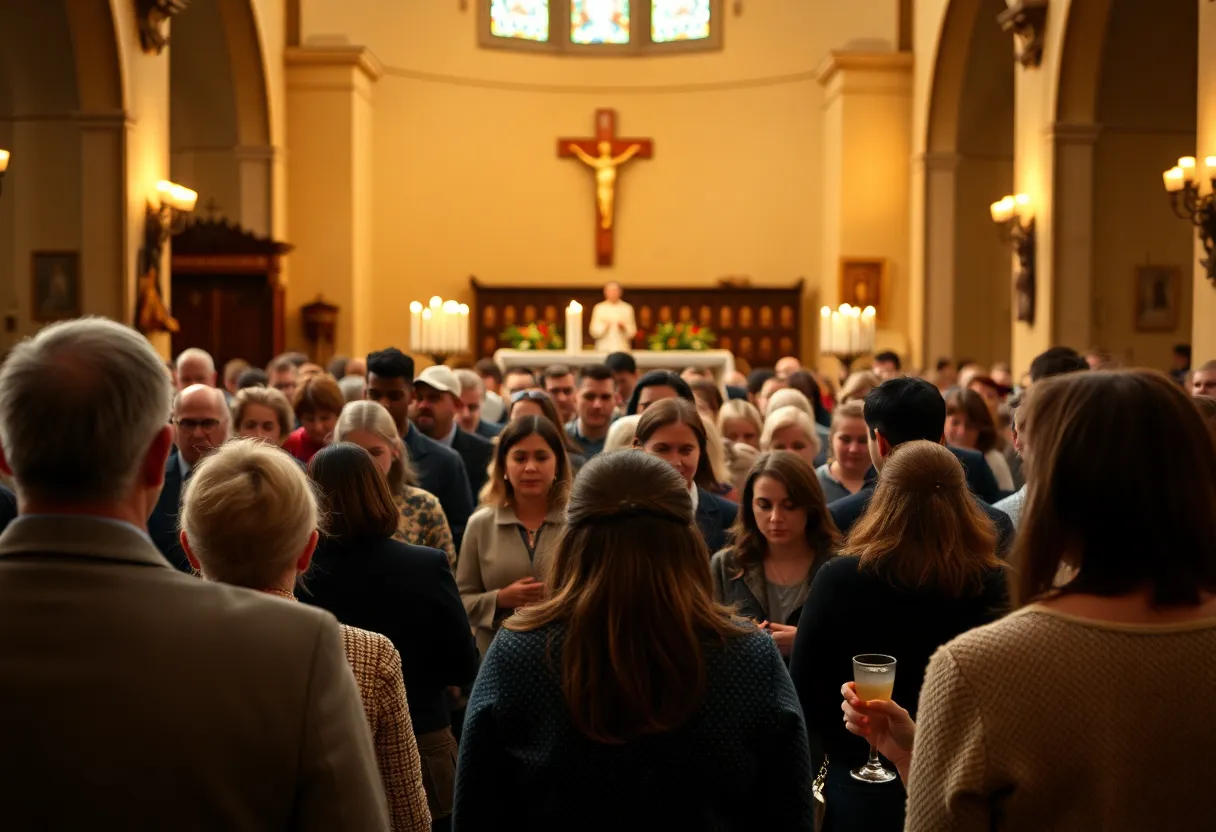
[[672, 430], [509, 538], [317, 402], [917, 569], [849, 440], [969, 424], [538, 403], [249, 518], [367, 579], [1062, 715], [783, 535], [659, 707]]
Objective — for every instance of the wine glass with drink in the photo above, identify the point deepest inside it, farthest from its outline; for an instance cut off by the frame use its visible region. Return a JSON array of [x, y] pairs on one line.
[[873, 678]]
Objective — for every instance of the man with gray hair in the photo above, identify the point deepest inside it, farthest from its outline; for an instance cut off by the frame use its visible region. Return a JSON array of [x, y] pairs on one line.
[[195, 366], [201, 421], [151, 698], [469, 406]]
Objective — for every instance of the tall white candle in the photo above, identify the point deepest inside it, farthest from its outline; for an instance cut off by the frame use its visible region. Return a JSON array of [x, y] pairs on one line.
[[825, 330], [462, 340], [427, 344], [574, 327], [415, 326]]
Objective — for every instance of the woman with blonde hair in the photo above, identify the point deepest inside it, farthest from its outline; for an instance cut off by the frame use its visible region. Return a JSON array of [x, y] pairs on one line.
[[791, 429], [857, 386], [849, 440], [1060, 715], [783, 535], [508, 539], [919, 568], [262, 413], [629, 674], [420, 517], [792, 397], [739, 421], [249, 518], [620, 433]]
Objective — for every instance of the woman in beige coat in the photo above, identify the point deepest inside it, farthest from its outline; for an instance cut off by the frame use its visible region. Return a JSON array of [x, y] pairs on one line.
[[508, 540]]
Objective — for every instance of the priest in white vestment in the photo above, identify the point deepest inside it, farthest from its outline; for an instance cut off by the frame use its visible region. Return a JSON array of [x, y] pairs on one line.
[[612, 322]]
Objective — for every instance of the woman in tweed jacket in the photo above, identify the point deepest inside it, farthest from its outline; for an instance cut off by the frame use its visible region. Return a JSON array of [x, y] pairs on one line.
[[249, 518]]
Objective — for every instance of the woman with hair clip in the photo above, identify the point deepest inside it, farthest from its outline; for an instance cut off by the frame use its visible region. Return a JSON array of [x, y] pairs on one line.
[[249, 518], [918, 568], [628, 698], [367, 579], [1090, 706], [420, 517], [509, 538], [672, 430], [783, 535]]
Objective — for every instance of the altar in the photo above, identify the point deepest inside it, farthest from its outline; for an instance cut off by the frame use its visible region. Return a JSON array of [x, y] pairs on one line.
[[720, 362]]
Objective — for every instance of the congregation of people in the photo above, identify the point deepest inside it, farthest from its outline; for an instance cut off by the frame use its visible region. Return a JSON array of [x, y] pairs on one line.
[[368, 597]]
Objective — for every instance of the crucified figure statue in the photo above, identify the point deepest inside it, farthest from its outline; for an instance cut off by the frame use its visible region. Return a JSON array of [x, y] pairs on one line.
[[605, 166]]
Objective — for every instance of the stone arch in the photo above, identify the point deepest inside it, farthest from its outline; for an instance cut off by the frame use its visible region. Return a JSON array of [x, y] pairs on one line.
[[1081, 62], [220, 130]]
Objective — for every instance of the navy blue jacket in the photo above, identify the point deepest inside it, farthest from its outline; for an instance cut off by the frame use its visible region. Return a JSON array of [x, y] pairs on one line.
[[476, 453], [162, 525], [715, 516], [441, 471], [488, 430]]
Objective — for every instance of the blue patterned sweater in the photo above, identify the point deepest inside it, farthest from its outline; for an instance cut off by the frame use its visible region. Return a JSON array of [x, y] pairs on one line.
[[741, 762]]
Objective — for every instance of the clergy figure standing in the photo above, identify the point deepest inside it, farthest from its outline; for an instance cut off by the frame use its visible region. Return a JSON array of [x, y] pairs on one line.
[[612, 322]]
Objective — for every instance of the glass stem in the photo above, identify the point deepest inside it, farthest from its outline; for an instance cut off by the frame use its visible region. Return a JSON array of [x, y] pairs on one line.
[[873, 762]]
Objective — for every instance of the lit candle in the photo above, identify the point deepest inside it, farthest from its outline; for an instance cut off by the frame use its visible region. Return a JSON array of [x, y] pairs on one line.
[[415, 326], [840, 332], [451, 316], [428, 326], [1187, 164], [868, 327], [1002, 210], [1174, 180], [855, 330], [463, 334], [574, 327], [825, 330]]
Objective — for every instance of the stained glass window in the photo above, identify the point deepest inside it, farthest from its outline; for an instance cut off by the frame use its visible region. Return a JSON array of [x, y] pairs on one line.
[[673, 20], [520, 19], [599, 21]]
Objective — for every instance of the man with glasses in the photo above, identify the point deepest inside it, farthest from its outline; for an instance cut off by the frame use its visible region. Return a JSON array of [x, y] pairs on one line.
[[200, 422]]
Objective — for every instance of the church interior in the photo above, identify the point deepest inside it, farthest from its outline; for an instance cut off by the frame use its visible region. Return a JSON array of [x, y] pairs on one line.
[[340, 161]]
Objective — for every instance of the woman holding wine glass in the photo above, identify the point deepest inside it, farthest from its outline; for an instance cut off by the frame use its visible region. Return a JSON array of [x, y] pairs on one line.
[[1089, 707], [917, 569]]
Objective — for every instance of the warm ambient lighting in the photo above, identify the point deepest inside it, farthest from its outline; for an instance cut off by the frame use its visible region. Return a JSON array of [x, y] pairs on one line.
[[3, 167], [574, 327], [176, 205], [440, 328], [177, 197], [1014, 216], [848, 332], [1183, 184]]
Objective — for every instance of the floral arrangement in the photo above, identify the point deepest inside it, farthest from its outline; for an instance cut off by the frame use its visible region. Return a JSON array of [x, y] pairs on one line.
[[680, 336], [538, 336]]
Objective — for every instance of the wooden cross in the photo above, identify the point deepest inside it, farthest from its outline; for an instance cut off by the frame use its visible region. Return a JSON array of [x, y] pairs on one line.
[[212, 208], [605, 154]]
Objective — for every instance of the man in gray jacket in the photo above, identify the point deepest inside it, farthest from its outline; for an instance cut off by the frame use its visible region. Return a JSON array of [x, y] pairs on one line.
[[135, 696]]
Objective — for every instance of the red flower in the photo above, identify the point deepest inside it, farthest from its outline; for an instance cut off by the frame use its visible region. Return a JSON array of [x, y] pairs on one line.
[[696, 330], [544, 330]]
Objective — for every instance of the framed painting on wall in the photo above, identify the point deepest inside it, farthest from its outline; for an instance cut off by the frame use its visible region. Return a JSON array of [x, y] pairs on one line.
[[863, 282], [55, 286], [1157, 300]]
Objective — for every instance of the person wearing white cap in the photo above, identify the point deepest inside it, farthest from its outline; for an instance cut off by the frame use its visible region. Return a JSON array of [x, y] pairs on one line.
[[437, 404]]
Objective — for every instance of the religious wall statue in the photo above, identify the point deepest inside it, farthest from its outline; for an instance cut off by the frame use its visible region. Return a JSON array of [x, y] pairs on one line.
[[152, 16], [605, 165], [612, 322]]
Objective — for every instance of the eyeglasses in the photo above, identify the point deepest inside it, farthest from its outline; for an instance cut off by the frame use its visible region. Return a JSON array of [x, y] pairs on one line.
[[207, 425], [530, 395]]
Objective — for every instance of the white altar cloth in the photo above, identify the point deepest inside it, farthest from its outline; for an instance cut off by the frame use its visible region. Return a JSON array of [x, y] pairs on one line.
[[720, 362]]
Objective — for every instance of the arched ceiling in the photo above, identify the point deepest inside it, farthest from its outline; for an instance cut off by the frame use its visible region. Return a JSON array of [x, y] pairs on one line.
[[1149, 68], [37, 61]]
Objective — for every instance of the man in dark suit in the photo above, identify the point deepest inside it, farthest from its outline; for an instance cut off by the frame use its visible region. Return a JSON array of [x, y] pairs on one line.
[[390, 382], [8, 507], [902, 410], [200, 421], [183, 676], [470, 406], [437, 404]]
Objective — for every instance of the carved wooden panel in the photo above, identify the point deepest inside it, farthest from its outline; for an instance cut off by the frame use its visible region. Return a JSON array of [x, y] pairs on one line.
[[758, 324]]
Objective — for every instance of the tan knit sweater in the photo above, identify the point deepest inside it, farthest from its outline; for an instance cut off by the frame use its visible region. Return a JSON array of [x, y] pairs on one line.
[[1043, 721], [376, 665]]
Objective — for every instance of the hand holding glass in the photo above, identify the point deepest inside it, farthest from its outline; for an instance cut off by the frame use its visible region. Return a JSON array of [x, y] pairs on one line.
[[873, 678]]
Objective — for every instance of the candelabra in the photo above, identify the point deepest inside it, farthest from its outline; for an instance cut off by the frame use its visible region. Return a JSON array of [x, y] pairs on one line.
[[1015, 221], [847, 333], [176, 205], [1183, 187], [440, 329]]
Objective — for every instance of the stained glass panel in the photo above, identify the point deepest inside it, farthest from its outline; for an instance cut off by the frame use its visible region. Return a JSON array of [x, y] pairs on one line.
[[520, 19], [599, 21], [673, 20]]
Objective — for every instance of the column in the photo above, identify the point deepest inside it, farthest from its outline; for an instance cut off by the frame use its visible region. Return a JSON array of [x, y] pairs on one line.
[[1073, 152], [867, 179], [107, 287], [329, 131], [1203, 321], [939, 173]]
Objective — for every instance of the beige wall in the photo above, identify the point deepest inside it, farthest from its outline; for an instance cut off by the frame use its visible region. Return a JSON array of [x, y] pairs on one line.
[[466, 179], [1203, 337]]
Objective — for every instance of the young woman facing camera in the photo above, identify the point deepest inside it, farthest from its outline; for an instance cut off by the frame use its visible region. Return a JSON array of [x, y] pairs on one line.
[[509, 538], [850, 444]]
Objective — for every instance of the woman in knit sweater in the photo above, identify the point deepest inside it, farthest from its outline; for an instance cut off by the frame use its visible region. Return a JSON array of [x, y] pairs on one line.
[[628, 698], [1081, 710]]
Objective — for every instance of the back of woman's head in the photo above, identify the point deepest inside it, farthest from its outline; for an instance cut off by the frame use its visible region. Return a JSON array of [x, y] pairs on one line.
[[923, 529], [371, 417], [621, 433], [970, 405], [808, 385], [498, 491], [630, 581], [789, 397], [679, 412], [248, 512], [857, 386], [354, 494], [1121, 485]]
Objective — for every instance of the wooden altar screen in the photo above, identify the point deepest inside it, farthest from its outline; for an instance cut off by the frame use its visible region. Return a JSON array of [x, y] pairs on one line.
[[759, 324], [227, 292]]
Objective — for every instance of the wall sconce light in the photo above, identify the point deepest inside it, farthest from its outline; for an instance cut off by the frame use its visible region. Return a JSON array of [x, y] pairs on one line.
[[4, 156], [176, 205], [1026, 19], [1182, 184], [1015, 219]]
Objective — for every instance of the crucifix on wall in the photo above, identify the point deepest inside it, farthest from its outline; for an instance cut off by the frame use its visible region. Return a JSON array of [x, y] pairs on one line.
[[605, 154]]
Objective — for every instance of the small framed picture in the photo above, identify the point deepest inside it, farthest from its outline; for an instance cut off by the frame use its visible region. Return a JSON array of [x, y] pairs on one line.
[[1157, 299], [863, 282], [55, 293]]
